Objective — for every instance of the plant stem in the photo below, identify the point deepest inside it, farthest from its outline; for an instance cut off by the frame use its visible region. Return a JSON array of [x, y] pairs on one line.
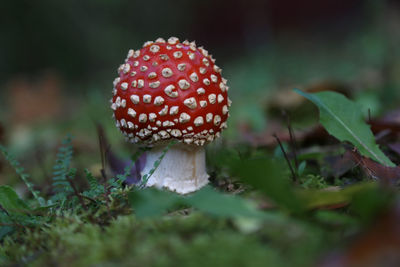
[[287, 158]]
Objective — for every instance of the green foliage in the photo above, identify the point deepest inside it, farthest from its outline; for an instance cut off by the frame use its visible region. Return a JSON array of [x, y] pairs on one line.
[[10, 201], [212, 202], [10, 205], [95, 189], [62, 172], [21, 173], [191, 240], [371, 202], [333, 218], [153, 202], [311, 181], [120, 178], [15, 214], [321, 198], [268, 176], [344, 120]]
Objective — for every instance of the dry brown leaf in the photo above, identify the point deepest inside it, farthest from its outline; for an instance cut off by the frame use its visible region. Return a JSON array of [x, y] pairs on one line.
[[338, 164], [377, 247], [376, 170]]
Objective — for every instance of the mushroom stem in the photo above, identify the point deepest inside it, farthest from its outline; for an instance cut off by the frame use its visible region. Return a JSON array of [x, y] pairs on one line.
[[183, 169]]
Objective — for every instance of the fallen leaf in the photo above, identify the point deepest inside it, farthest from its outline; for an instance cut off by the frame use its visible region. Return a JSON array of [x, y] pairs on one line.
[[376, 247], [395, 147], [392, 116], [315, 134], [338, 164], [376, 170], [381, 125]]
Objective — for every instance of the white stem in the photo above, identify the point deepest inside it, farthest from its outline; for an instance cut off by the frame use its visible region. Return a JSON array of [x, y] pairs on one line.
[[183, 169]]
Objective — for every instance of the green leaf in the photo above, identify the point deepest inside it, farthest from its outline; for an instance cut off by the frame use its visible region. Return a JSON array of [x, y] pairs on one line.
[[319, 198], [302, 167], [5, 230], [335, 218], [368, 204], [10, 201], [269, 177], [24, 177], [344, 120], [218, 204], [152, 202]]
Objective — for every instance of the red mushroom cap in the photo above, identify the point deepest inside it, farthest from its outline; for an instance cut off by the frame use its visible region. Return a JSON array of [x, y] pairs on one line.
[[170, 90]]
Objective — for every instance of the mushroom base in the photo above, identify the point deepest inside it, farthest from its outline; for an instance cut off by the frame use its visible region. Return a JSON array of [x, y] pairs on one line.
[[183, 169]]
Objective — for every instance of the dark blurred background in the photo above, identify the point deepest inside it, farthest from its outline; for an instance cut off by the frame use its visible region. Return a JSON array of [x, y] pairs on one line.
[[85, 40], [59, 58]]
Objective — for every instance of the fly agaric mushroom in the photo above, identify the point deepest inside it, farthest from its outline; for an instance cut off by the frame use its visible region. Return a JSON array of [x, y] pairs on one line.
[[166, 91]]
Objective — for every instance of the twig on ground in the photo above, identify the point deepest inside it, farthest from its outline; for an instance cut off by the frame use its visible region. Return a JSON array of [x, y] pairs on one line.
[[294, 174], [293, 142]]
